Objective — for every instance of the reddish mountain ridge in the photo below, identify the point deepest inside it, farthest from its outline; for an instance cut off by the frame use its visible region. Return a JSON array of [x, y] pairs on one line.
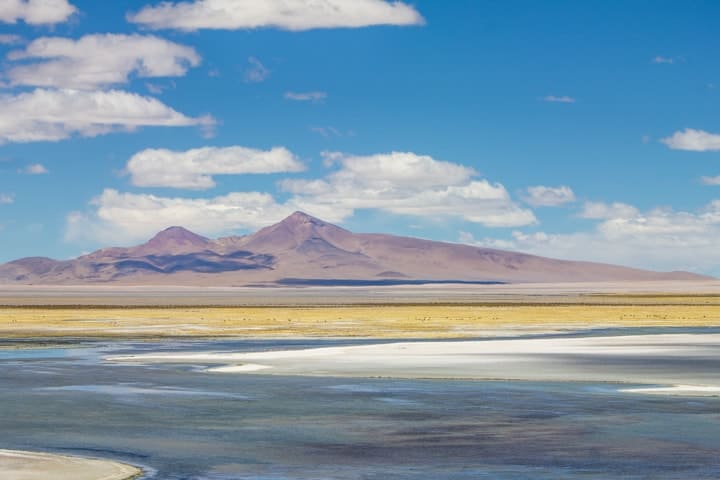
[[303, 250]]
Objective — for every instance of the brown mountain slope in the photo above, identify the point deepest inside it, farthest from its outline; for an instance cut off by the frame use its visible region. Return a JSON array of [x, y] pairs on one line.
[[305, 250]]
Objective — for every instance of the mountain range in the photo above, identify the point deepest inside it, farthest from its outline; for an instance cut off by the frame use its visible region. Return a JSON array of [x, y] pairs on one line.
[[304, 250]]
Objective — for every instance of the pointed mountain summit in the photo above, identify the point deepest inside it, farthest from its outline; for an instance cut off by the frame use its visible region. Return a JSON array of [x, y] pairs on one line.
[[294, 231], [179, 235], [299, 218], [173, 240], [304, 250]]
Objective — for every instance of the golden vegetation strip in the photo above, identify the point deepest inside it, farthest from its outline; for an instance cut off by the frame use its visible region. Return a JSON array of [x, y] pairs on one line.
[[398, 321]]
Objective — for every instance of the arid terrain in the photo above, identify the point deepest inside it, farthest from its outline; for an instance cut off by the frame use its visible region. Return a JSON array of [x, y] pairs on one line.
[[399, 312]]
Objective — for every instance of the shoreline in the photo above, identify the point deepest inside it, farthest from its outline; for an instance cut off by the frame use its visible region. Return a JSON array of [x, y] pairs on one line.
[[23, 465]]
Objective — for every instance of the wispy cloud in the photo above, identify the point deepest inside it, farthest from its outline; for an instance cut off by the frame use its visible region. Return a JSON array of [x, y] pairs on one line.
[[327, 131], [558, 99], [6, 39], [256, 72], [154, 88], [35, 169], [659, 59], [542, 196], [306, 96], [7, 198], [710, 180], [605, 211]]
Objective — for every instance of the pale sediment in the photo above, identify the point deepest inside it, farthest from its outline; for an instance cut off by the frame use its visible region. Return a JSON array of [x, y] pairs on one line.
[[655, 362], [20, 465], [680, 390]]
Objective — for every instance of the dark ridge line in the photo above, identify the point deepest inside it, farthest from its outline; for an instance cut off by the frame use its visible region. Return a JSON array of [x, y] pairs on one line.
[[311, 306], [339, 282]]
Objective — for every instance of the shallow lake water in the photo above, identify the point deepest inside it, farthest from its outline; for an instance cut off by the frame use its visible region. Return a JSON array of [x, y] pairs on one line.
[[179, 422]]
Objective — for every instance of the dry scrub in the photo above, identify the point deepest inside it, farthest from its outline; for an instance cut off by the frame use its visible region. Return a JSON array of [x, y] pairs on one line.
[[389, 321]]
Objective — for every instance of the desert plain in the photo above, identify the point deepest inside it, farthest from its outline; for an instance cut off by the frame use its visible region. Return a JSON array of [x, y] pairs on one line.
[[424, 312]]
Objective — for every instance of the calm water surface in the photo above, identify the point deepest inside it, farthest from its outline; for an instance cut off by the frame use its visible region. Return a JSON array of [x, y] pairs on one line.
[[181, 423]]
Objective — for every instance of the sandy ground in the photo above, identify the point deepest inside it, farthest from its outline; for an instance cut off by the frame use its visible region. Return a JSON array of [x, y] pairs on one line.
[[17, 465], [366, 321], [430, 311], [667, 364], [283, 296]]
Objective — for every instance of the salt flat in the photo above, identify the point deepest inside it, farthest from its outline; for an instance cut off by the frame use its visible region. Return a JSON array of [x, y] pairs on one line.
[[146, 295], [667, 360], [18, 465]]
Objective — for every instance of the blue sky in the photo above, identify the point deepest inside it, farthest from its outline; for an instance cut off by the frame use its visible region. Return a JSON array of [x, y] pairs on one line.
[[582, 130]]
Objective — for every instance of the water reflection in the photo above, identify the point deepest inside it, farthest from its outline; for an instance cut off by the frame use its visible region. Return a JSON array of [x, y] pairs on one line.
[[186, 424]]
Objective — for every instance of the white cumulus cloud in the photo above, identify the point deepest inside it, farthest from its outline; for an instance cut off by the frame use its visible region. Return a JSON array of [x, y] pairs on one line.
[[284, 14], [36, 12], [96, 61], [399, 182], [127, 217], [659, 239], [542, 196], [51, 115], [710, 180], [409, 184], [693, 140], [194, 169]]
